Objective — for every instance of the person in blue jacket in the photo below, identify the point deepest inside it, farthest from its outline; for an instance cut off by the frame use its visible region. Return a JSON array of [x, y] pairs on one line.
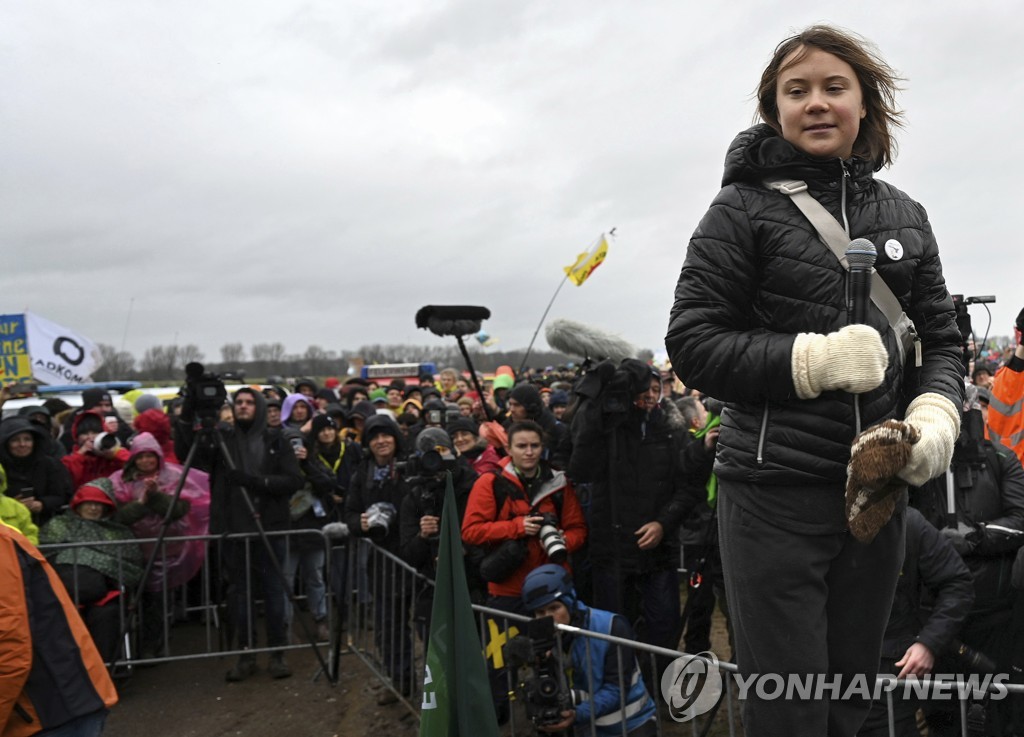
[[597, 671]]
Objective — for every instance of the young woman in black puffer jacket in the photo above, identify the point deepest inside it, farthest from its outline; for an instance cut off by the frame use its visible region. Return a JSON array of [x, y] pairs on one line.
[[760, 321]]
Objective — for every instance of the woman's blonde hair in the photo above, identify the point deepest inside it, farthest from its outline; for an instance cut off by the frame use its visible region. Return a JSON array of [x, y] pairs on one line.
[[878, 82]]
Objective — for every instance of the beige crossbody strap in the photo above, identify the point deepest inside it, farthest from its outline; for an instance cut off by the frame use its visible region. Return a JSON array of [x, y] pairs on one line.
[[837, 239]]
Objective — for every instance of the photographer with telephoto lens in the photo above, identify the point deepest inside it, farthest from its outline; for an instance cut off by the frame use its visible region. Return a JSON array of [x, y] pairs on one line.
[[420, 516]]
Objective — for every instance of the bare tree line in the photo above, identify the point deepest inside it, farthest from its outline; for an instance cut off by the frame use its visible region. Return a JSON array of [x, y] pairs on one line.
[[167, 362]]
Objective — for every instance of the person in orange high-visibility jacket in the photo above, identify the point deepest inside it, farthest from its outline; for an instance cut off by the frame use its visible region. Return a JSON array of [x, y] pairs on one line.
[[51, 675], [1005, 411]]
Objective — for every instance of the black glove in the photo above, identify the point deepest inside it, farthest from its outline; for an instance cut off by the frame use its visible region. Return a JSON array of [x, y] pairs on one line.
[[964, 537], [238, 477]]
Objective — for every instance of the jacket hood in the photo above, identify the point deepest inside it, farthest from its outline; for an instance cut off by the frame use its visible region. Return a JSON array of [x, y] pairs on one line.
[[78, 420], [290, 401], [760, 153], [382, 423], [145, 443], [13, 426], [156, 423], [259, 420], [98, 490]]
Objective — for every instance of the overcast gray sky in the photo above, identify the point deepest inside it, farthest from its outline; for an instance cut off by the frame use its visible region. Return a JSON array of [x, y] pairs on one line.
[[313, 173]]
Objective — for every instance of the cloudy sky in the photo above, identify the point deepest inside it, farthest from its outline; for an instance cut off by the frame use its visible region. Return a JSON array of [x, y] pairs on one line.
[[313, 173]]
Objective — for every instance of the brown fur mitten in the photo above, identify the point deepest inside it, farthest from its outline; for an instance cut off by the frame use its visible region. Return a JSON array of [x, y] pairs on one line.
[[876, 456]]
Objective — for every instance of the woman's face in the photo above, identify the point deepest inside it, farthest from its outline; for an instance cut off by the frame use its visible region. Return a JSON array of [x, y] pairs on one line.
[[147, 462], [820, 104], [21, 444], [526, 448], [300, 412], [327, 436], [90, 511], [463, 440]]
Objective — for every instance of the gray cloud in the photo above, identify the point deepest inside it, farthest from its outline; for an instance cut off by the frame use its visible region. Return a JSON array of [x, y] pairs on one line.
[[314, 173]]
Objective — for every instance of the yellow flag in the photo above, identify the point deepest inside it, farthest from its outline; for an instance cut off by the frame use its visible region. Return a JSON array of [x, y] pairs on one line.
[[587, 261]]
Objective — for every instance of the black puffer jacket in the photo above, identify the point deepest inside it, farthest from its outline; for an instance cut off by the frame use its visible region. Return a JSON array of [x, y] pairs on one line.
[[756, 274], [638, 477]]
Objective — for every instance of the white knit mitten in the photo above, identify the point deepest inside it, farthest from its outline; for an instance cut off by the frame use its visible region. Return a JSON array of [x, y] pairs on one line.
[[937, 419], [852, 359]]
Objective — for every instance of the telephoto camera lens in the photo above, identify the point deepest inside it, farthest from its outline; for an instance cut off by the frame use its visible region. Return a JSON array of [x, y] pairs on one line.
[[105, 442], [552, 540]]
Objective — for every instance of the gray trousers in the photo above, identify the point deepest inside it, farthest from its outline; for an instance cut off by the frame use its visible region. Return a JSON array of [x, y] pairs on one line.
[[806, 604]]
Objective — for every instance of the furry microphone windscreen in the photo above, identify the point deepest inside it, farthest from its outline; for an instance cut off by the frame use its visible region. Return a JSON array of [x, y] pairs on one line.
[[576, 339], [451, 320]]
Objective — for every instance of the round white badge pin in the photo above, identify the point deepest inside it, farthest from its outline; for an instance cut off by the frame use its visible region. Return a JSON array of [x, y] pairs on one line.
[[894, 249]]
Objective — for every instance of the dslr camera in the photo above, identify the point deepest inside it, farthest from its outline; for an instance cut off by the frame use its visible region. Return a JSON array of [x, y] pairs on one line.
[[552, 540]]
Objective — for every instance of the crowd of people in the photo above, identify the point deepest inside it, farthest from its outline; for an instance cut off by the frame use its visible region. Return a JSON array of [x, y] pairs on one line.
[[607, 477]]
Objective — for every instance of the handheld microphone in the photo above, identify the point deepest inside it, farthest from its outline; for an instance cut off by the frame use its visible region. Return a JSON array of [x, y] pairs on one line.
[[452, 320], [860, 254]]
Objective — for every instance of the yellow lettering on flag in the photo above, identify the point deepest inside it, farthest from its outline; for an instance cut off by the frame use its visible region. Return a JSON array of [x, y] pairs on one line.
[[581, 269]]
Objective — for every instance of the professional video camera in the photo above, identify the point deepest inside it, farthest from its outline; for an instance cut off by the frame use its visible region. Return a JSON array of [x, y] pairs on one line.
[[963, 320], [542, 686], [204, 394]]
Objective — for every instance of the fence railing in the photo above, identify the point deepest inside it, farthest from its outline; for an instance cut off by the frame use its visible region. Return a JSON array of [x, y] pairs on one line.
[[378, 608]]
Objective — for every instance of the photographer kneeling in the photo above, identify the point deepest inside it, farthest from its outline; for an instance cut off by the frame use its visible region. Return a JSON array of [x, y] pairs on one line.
[[598, 671]]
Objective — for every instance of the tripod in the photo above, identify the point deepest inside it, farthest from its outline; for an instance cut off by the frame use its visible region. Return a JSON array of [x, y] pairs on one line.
[[206, 434]]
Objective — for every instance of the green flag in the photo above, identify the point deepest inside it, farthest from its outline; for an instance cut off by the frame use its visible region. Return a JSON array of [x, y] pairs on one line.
[[456, 690]]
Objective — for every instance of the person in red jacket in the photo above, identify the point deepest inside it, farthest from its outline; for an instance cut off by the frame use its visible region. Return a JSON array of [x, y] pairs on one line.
[[88, 462], [503, 517], [522, 478]]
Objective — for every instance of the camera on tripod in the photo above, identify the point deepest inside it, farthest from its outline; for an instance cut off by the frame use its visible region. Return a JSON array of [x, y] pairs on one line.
[[542, 687], [204, 394]]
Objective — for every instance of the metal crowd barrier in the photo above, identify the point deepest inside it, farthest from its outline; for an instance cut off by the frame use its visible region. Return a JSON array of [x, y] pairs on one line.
[[202, 600], [378, 610]]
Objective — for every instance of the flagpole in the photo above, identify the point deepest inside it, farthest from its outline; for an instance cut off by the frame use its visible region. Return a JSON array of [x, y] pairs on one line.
[[542, 318]]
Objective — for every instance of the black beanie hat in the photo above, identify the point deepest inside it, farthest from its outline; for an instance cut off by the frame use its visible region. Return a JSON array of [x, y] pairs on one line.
[[92, 397], [327, 394], [463, 424], [527, 395], [320, 422]]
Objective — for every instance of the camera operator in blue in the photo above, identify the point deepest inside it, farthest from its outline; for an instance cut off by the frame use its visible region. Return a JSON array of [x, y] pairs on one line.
[[593, 669], [375, 495]]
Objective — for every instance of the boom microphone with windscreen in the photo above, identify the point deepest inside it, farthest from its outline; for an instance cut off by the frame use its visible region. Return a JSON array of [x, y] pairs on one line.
[[451, 320], [576, 339]]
